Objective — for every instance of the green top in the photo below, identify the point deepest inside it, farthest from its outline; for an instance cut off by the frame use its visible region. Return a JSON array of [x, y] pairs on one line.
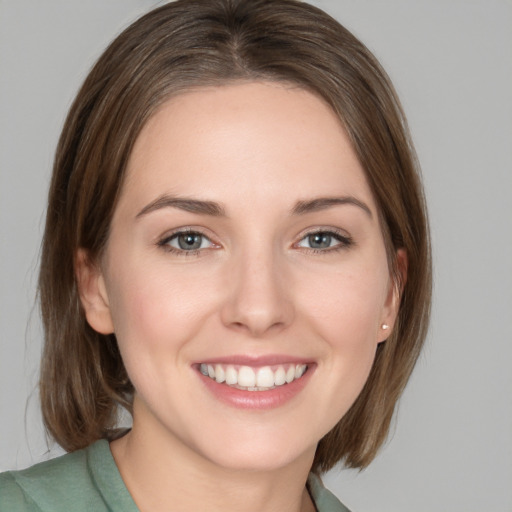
[[88, 480]]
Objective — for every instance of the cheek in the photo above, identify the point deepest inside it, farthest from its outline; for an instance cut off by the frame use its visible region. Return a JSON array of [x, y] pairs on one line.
[[153, 319], [155, 310], [348, 305], [345, 311]]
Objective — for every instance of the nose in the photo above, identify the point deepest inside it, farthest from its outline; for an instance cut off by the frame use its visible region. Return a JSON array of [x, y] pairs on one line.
[[259, 299]]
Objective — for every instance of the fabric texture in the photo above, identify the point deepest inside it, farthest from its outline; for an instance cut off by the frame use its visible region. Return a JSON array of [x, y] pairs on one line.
[[88, 480]]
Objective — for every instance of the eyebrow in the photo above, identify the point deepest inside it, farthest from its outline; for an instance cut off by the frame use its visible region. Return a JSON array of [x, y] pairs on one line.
[[216, 210], [322, 203], [188, 205]]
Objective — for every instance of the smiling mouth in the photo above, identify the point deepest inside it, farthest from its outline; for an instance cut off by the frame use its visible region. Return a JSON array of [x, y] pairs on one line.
[[253, 379]]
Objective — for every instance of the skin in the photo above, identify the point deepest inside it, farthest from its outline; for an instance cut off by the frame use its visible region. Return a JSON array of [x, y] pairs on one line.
[[255, 288]]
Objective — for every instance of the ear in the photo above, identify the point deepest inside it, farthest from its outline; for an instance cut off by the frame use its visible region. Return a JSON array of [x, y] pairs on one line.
[[392, 305], [93, 293]]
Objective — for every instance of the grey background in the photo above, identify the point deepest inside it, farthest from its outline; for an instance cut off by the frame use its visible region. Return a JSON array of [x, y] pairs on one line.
[[451, 61]]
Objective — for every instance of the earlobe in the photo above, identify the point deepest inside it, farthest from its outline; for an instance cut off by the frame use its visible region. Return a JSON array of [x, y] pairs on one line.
[[394, 297], [93, 293]]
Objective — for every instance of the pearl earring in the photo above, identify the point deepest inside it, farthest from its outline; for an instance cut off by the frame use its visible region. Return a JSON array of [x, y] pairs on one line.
[[385, 326]]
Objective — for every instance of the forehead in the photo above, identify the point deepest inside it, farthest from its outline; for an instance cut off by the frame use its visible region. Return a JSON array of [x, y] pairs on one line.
[[267, 141]]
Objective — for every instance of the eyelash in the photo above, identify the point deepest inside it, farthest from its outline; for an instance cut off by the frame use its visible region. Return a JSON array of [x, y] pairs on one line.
[[164, 242], [345, 242]]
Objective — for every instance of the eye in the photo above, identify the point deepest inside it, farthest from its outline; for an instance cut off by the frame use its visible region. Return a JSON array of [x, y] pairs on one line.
[[324, 241], [186, 241]]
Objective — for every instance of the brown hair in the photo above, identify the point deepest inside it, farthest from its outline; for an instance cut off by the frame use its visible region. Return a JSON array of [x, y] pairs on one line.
[[193, 43]]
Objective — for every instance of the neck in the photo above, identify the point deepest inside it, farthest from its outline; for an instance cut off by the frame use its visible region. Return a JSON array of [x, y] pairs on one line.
[[164, 475]]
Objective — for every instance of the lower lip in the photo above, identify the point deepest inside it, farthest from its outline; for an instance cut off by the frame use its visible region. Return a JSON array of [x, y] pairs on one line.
[[259, 400]]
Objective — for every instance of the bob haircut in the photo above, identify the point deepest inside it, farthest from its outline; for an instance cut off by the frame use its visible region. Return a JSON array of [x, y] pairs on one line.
[[177, 47]]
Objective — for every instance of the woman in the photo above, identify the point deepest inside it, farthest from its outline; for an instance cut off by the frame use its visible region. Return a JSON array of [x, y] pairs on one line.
[[236, 251]]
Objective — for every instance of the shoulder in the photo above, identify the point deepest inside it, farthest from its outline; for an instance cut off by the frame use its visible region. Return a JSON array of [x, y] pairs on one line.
[[325, 501], [12, 497], [58, 484]]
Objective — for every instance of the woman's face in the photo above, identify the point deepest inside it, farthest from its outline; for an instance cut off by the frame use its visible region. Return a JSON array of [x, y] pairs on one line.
[[245, 246]]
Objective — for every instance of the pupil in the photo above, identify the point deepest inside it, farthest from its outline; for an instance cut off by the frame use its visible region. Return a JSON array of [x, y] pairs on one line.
[[189, 241], [319, 241]]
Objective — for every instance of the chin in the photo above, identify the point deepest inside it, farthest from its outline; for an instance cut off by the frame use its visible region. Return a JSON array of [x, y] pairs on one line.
[[254, 453]]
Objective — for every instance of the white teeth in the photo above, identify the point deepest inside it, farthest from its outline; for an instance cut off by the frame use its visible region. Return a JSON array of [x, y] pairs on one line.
[[265, 377], [280, 376], [231, 376], [299, 370], [253, 379], [220, 374], [246, 377]]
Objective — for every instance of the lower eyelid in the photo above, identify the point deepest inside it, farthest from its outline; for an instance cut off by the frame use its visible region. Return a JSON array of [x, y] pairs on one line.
[[165, 242]]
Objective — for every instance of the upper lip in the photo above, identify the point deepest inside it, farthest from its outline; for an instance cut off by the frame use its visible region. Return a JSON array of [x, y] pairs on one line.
[[256, 360]]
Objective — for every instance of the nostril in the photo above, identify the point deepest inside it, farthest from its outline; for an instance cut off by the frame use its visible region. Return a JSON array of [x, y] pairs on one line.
[[256, 306]]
